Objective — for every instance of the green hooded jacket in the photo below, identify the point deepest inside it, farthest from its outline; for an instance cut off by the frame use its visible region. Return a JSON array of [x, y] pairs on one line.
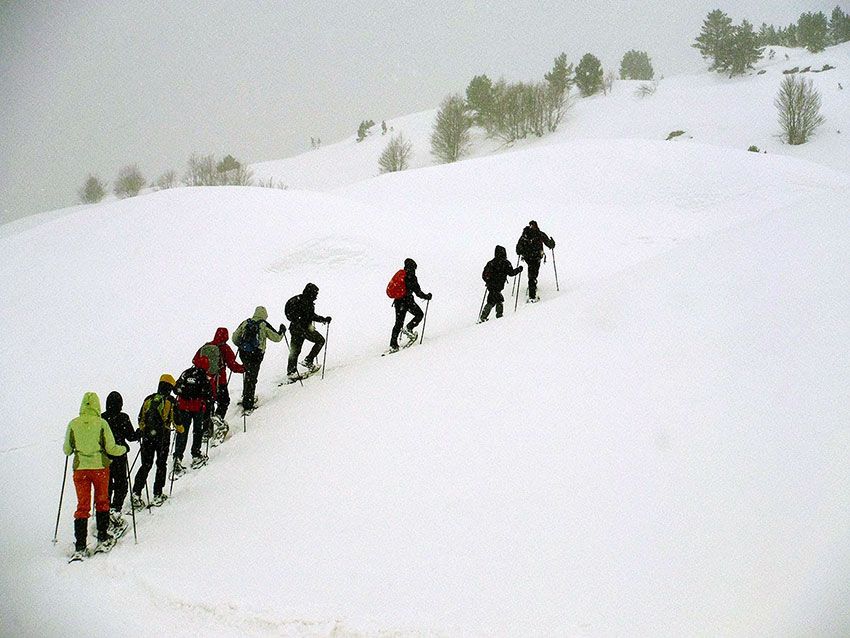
[[265, 331], [89, 438]]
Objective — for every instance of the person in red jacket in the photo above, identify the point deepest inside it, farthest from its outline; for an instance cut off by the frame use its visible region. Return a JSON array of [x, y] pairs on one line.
[[221, 357]]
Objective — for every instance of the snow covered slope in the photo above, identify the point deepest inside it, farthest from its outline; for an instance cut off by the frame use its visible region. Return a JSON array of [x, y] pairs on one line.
[[659, 449]]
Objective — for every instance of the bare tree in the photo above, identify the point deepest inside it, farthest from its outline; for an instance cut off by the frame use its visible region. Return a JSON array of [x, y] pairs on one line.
[[201, 171], [608, 82], [450, 138], [165, 181], [93, 190], [396, 156], [129, 182], [799, 109]]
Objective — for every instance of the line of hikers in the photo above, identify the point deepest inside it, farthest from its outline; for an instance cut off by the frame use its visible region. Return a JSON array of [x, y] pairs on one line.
[[199, 399]]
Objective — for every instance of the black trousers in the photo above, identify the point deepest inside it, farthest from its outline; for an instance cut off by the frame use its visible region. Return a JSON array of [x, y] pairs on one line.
[[252, 362], [402, 307], [151, 448], [298, 336], [533, 271], [494, 298], [222, 400], [197, 420], [118, 482]]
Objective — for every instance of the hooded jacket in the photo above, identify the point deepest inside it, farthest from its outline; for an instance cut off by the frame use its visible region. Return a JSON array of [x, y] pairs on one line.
[[411, 283], [193, 388], [89, 438], [265, 332], [531, 242], [498, 270], [301, 309], [226, 358], [119, 423]]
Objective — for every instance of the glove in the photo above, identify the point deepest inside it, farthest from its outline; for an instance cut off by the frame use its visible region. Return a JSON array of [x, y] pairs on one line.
[[520, 268], [429, 296], [328, 319], [282, 329], [180, 429], [553, 241]]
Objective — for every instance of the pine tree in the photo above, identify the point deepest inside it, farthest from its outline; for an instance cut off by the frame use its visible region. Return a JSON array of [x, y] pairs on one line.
[[636, 65], [714, 38], [813, 31], [479, 98], [742, 51], [450, 138], [560, 77], [839, 26], [589, 74]]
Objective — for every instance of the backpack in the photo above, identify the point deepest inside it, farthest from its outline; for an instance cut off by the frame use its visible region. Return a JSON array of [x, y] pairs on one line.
[[397, 289], [291, 308], [213, 355], [250, 341], [152, 422], [487, 273]]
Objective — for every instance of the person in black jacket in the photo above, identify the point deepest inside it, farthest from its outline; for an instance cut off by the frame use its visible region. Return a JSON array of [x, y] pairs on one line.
[[530, 249], [496, 272], [408, 304], [194, 404], [301, 312], [156, 420], [122, 431]]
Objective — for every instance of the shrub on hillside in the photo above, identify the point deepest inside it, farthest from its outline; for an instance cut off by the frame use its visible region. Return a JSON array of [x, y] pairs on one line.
[[272, 183], [165, 181], [673, 135], [364, 129], [93, 190], [396, 156], [813, 31], [799, 109], [450, 138], [129, 182], [589, 75], [636, 65], [647, 89]]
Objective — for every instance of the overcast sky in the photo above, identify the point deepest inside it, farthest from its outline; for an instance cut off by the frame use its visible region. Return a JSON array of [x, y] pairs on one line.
[[88, 87]]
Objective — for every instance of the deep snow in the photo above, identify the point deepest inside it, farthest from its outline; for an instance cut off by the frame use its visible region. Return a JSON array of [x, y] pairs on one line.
[[660, 449]]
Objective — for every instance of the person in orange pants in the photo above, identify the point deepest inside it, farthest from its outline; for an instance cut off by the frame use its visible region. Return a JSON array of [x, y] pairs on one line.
[[89, 438]]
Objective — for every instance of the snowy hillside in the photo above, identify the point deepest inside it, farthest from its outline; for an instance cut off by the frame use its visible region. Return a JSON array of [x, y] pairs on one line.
[[660, 448]]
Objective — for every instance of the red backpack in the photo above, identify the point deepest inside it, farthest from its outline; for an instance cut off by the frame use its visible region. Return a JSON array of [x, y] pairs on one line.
[[396, 288]]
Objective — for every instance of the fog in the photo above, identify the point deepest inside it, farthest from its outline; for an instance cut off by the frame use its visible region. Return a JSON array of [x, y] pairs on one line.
[[88, 87]]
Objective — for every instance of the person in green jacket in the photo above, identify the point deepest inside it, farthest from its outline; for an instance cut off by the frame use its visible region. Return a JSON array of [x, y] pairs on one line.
[[250, 337], [89, 438]]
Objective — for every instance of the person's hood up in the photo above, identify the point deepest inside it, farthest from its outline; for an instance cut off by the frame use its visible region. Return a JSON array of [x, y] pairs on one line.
[[409, 265], [90, 405], [501, 253], [203, 363], [311, 291], [221, 336], [114, 402], [260, 314]]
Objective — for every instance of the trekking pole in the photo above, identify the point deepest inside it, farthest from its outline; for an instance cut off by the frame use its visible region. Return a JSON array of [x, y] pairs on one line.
[[481, 309], [325, 357], [132, 509], [555, 266], [286, 339], [513, 286], [244, 423], [424, 319], [517, 279], [61, 496], [130, 467], [148, 496]]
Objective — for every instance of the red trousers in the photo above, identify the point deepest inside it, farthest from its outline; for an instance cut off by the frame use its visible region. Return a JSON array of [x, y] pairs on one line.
[[84, 480]]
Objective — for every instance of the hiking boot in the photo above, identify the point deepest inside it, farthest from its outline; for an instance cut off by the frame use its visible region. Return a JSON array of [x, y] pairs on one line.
[[311, 366], [158, 500], [137, 502], [199, 461], [115, 518], [410, 334], [293, 376], [81, 526]]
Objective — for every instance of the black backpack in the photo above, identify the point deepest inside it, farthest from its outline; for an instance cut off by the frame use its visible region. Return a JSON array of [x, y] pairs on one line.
[[250, 341], [291, 308]]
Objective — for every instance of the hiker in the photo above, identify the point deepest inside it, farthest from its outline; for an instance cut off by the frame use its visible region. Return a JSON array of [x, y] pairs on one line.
[[530, 249], [194, 401], [220, 357], [156, 420], [122, 431], [301, 312], [495, 273], [250, 338], [90, 440], [406, 303]]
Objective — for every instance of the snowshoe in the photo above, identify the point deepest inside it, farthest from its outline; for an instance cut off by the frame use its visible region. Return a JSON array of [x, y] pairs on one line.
[[220, 431], [199, 461], [391, 350], [104, 546], [137, 502], [118, 530], [532, 300], [411, 335], [158, 500], [177, 470], [78, 556]]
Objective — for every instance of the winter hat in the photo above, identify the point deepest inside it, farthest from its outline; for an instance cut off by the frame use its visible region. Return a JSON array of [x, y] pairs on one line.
[[167, 378], [203, 363], [409, 264], [114, 402]]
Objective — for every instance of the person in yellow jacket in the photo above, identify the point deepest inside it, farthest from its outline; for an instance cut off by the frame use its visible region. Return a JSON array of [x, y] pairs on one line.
[[89, 438]]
